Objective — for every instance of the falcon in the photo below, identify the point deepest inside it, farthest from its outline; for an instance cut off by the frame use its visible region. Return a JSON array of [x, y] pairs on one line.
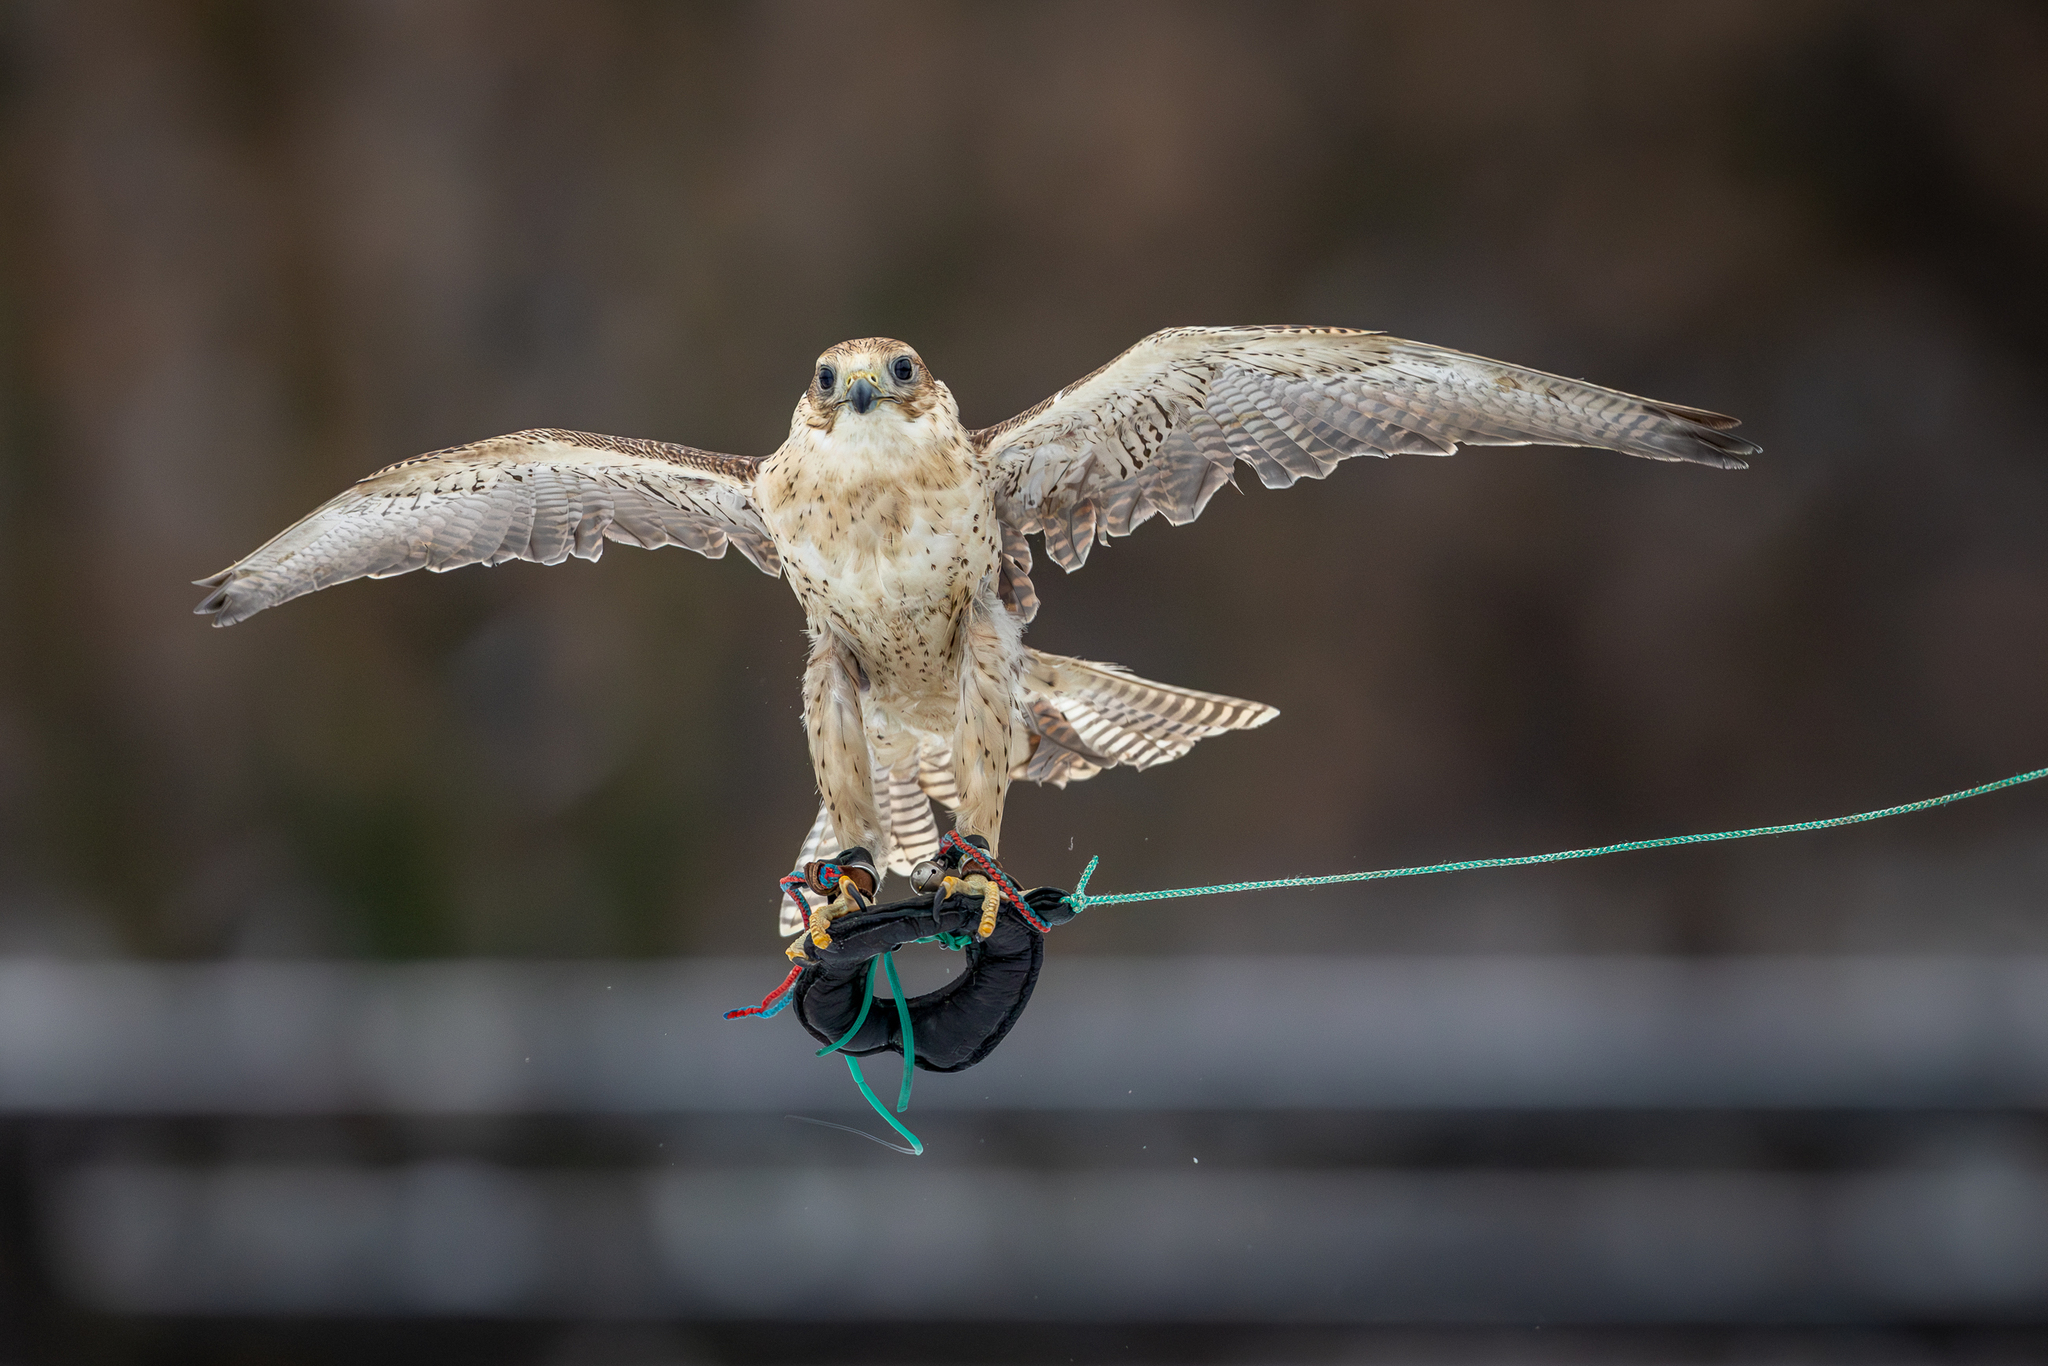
[[904, 535]]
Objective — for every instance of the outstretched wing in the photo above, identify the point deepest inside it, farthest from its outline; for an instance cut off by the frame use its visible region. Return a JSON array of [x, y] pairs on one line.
[[540, 495], [1157, 430]]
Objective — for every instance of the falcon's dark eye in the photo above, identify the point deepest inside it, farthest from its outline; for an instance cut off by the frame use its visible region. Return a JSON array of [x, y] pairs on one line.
[[826, 379], [904, 369]]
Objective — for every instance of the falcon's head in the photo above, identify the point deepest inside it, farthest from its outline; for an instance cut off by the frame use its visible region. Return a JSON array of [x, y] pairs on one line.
[[872, 379]]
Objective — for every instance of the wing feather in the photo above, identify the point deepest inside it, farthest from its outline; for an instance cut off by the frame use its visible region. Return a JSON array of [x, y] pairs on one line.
[[1156, 432], [541, 495]]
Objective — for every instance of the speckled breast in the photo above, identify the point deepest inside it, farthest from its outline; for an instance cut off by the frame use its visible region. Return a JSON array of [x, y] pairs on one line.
[[890, 568]]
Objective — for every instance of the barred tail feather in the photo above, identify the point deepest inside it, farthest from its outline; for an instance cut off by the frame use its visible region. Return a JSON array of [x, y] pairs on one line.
[[913, 833], [1086, 716], [935, 777]]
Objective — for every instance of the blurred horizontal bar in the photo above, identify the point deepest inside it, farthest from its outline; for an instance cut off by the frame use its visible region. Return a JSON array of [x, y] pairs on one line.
[[475, 1037], [1968, 1241]]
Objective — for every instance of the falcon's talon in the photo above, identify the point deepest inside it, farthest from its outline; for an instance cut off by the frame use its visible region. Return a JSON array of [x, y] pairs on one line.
[[849, 880], [975, 884], [850, 901]]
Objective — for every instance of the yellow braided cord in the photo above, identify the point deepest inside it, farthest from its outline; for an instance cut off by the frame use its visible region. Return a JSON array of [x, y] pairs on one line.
[[1081, 901]]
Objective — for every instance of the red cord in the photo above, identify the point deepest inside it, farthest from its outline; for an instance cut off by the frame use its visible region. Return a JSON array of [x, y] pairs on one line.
[[955, 840], [772, 1000]]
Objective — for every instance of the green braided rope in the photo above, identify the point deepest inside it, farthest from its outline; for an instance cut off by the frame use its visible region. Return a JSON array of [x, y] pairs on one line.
[[1081, 901]]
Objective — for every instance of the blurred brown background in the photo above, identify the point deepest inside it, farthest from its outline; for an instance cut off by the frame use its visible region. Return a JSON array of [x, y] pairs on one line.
[[253, 251], [250, 251]]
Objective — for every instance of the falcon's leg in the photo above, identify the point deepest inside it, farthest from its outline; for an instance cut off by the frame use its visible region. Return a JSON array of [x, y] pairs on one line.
[[991, 664], [839, 747]]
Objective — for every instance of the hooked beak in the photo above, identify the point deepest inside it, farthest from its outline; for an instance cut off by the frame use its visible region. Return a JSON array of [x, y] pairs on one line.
[[862, 394]]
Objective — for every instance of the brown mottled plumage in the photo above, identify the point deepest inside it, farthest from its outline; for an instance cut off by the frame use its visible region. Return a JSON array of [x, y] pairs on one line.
[[903, 534]]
